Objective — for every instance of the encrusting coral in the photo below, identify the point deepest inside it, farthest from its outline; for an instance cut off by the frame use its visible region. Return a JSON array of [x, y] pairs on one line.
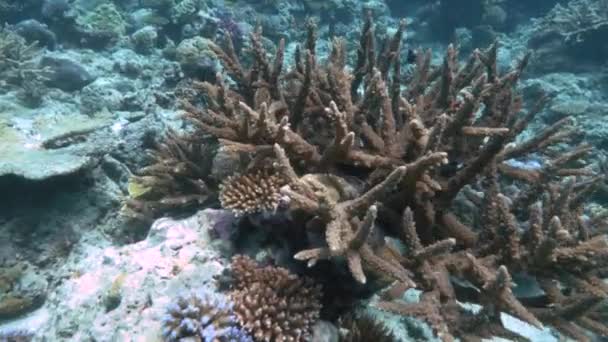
[[377, 149], [273, 304]]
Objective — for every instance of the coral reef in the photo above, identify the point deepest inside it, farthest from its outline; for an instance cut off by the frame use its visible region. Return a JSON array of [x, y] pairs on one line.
[[20, 291], [228, 25], [55, 9], [416, 144], [380, 192], [271, 303], [43, 158], [7, 7]]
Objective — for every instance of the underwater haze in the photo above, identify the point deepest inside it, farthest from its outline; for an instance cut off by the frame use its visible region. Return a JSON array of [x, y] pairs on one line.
[[303, 170]]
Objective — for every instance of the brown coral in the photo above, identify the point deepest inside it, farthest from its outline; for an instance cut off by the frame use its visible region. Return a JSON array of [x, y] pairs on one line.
[[273, 304], [255, 191], [362, 329], [175, 180]]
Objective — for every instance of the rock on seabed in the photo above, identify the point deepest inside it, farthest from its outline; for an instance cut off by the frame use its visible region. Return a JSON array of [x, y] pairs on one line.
[[175, 256]]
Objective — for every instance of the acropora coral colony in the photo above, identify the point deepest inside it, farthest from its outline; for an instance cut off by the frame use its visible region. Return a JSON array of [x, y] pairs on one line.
[[347, 153]]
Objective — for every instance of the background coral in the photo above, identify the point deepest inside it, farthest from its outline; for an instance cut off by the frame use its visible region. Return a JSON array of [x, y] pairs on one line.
[[401, 173], [196, 58], [360, 329], [105, 20], [415, 142], [185, 10]]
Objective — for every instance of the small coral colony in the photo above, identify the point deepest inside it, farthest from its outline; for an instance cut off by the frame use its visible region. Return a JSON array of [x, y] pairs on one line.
[[363, 171]]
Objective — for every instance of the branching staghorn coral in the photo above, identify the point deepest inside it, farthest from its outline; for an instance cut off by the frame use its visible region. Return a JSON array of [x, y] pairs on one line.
[[373, 149], [18, 65], [175, 180]]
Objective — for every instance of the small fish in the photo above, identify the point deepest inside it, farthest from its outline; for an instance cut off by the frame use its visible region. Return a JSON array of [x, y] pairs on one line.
[[525, 164]]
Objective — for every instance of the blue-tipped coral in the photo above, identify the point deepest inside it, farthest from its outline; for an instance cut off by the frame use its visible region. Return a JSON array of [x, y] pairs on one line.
[[16, 335], [203, 316]]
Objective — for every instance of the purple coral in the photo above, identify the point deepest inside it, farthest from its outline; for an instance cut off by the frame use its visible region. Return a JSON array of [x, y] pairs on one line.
[[202, 314], [228, 26], [236, 334]]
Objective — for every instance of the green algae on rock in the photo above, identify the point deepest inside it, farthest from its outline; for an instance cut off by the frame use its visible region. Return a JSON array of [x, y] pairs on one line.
[[40, 156]]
